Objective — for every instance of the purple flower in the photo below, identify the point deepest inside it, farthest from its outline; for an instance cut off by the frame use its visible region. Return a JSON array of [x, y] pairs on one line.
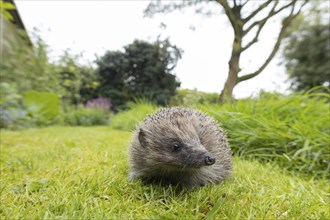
[[100, 103]]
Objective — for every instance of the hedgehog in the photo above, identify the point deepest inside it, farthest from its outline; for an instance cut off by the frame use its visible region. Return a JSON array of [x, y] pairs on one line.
[[180, 146]]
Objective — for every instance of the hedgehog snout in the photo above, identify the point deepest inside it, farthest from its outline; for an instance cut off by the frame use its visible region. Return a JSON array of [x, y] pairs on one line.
[[209, 160], [206, 158]]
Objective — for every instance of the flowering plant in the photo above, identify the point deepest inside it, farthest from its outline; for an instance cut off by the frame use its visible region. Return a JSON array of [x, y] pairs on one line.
[[99, 103]]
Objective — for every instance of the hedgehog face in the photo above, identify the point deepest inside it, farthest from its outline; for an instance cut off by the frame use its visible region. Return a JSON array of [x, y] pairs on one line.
[[187, 155], [175, 147]]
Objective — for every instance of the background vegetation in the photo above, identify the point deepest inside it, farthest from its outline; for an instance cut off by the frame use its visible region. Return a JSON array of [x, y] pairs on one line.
[[307, 53], [292, 130], [143, 70]]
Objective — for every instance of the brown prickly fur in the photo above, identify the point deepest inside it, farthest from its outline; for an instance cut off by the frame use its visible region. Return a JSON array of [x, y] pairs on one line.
[[155, 155]]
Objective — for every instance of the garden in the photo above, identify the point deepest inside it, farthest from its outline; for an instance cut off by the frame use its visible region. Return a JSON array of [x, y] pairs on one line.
[[281, 165], [66, 128]]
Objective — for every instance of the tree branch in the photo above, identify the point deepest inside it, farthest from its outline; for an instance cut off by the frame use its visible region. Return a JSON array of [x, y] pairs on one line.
[[285, 23], [264, 5], [229, 12], [261, 23], [233, 14], [270, 57], [242, 5], [293, 3], [270, 14]]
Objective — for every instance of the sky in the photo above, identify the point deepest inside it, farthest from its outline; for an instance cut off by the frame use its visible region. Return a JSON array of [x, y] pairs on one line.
[[94, 27]]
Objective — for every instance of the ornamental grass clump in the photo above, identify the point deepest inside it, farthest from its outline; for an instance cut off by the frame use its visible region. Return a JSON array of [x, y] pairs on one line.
[[293, 130]]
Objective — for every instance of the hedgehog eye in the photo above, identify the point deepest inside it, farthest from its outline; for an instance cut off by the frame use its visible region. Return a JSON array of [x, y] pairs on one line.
[[176, 147]]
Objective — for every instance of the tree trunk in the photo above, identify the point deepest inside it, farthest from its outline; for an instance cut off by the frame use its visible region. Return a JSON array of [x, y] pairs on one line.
[[234, 69], [227, 91]]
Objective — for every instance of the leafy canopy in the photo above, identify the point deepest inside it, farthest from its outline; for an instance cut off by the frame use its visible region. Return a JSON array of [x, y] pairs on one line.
[[143, 70], [307, 53]]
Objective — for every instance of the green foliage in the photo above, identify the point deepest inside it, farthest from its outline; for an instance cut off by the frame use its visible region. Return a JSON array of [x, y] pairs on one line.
[[111, 72], [307, 52], [25, 68], [143, 70], [292, 130], [200, 6], [14, 117], [4, 9], [149, 67], [8, 93], [43, 106], [191, 98], [28, 68], [80, 116], [129, 119], [82, 173], [33, 109], [78, 82]]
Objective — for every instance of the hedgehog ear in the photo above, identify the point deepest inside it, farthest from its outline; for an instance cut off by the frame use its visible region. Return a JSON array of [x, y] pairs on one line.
[[142, 138]]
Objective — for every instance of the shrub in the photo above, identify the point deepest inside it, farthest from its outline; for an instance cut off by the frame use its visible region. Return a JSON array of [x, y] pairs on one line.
[[12, 113], [127, 120], [14, 117], [80, 116], [191, 98], [42, 107], [100, 103], [292, 130], [33, 109]]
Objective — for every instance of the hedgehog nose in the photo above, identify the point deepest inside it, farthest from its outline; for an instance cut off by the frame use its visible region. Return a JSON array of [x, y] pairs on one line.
[[209, 160]]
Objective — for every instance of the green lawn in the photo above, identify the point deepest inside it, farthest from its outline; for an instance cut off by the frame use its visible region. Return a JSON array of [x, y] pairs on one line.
[[81, 173]]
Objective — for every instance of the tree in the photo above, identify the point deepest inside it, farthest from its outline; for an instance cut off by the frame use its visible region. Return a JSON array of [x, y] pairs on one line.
[[78, 82], [244, 17], [143, 70], [307, 52], [111, 69]]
